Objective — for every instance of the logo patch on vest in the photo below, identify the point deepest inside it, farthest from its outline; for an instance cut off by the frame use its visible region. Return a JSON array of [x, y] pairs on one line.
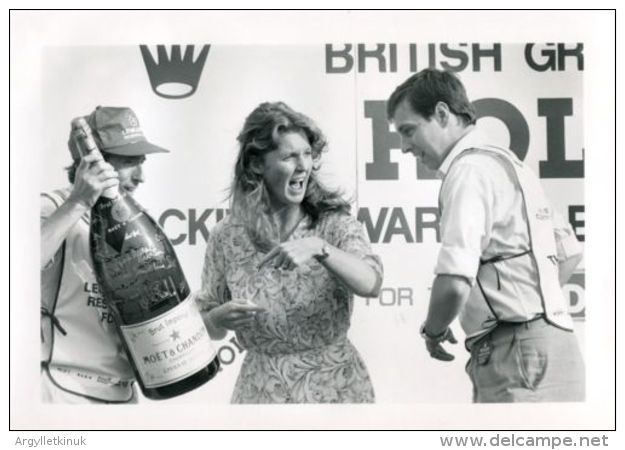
[[543, 214]]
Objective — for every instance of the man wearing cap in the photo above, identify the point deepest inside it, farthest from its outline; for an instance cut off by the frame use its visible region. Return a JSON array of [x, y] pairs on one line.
[[504, 252], [82, 359]]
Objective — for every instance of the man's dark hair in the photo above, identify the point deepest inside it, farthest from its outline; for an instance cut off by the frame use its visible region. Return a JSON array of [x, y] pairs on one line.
[[426, 88]]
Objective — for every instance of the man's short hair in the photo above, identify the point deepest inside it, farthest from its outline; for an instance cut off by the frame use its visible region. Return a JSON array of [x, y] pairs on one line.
[[426, 88]]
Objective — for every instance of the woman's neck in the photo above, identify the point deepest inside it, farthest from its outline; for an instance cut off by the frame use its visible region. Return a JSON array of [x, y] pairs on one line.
[[287, 218]]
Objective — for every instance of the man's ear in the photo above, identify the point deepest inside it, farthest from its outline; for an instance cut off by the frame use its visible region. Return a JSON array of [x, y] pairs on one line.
[[442, 113]]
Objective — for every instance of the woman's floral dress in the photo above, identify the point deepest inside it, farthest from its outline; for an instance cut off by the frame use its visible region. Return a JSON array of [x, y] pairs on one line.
[[297, 350]]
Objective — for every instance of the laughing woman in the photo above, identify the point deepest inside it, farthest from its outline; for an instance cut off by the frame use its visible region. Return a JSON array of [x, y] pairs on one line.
[[281, 271]]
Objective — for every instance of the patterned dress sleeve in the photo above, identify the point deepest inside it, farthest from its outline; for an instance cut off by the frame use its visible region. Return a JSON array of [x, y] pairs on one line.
[[214, 290], [349, 235]]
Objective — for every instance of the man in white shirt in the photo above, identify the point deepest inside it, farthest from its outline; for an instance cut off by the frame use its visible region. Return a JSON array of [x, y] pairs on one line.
[[504, 252], [82, 359]]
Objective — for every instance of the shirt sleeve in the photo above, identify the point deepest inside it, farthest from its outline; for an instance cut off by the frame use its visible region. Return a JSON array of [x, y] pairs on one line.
[[46, 208], [466, 201], [350, 237], [567, 244], [214, 290]]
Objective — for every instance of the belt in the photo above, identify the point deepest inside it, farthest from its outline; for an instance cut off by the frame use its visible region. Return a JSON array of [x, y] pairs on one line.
[[506, 328], [528, 323]]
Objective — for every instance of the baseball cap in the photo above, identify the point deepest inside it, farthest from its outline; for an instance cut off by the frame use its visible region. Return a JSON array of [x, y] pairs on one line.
[[116, 130]]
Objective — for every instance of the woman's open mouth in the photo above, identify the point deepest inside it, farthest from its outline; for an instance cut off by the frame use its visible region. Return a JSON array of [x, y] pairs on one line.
[[297, 185]]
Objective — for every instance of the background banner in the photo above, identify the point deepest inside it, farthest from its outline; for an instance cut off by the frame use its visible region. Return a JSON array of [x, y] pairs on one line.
[[192, 99]]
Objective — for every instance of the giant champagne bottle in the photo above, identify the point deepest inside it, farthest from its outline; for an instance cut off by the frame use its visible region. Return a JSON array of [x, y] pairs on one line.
[[144, 287]]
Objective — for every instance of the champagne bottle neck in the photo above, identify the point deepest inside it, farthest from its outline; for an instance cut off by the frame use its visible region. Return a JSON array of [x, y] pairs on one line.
[[111, 193]]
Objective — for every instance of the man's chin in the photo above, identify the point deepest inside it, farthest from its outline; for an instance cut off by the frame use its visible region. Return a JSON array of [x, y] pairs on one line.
[[430, 164]]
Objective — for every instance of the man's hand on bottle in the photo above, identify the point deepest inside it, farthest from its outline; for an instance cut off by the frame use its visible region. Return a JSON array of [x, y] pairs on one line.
[[93, 175]]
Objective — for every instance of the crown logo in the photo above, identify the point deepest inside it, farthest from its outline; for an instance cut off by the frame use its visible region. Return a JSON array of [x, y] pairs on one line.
[[176, 76]]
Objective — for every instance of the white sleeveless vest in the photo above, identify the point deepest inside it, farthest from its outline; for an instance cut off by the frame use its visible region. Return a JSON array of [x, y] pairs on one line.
[[497, 296], [81, 350]]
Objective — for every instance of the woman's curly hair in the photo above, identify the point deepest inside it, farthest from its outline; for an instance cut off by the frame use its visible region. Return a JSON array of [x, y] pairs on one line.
[[250, 202]]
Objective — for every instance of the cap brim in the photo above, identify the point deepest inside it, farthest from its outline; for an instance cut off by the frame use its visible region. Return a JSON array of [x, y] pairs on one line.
[[136, 149]]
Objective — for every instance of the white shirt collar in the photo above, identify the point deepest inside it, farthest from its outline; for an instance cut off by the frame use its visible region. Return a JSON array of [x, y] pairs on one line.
[[474, 138]]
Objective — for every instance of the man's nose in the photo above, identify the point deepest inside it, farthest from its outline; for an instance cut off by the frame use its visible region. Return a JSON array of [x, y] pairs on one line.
[[405, 145], [138, 175]]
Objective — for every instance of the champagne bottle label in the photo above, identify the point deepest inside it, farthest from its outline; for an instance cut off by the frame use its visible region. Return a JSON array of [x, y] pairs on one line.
[[170, 347]]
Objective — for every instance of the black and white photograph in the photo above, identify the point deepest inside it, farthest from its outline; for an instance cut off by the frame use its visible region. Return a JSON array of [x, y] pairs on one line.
[[270, 220]]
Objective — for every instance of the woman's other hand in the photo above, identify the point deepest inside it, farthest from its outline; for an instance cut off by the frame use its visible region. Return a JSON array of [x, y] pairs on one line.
[[232, 315]]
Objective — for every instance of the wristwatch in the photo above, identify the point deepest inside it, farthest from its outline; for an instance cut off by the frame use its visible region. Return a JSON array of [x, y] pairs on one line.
[[324, 252], [426, 335]]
